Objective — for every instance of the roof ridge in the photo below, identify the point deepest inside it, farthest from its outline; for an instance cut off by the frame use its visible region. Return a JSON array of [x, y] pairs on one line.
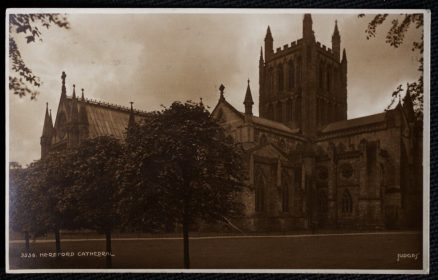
[[108, 105]]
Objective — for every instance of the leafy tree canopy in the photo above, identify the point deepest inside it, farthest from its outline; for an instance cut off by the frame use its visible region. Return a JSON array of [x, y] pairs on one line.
[[24, 81], [182, 167], [95, 186], [395, 37]]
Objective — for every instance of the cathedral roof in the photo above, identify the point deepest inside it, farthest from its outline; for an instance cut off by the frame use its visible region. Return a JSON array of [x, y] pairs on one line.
[[105, 118], [273, 124], [357, 122], [266, 123]]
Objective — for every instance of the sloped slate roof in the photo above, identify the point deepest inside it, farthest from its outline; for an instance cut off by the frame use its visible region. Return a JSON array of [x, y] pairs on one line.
[[273, 124], [107, 119], [261, 121], [357, 122]]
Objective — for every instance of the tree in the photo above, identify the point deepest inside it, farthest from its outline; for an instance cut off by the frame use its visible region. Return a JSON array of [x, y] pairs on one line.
[[28, 25], [39, 197], [95, 190], [183, 168], [54, 191], [20, 203], [395, 37]]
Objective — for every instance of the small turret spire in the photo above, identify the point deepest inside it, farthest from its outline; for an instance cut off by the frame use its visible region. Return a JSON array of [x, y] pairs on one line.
[[46, 137], [336, 42], [74, 91], [269, 44], [408, 104], [82, 96], [248, 102], [221, 89], [308, 28], [261, 54], [131, 121], [336, 31], [268, 32], [344, 56], [63, 90], [47, 129], [50, 117]]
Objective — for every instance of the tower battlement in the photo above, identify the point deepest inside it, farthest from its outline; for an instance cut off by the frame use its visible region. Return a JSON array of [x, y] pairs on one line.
[[303, 84]]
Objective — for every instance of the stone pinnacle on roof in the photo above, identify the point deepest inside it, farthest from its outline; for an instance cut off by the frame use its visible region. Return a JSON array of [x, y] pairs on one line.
[[74, 91], [221, 89], [248, 100], [63, 90]]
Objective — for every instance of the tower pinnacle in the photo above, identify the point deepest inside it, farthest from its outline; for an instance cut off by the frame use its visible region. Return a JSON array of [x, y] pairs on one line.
[[131, 121], [63, 90], [336, 42], [248, 102], [308, 28], [221, 89], [74, 91], [269, 43]]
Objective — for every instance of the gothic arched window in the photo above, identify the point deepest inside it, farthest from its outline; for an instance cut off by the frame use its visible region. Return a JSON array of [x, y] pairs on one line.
[[289, 110], [322, 202], [297, 116], [335, 78], [299, 71], [279, 112], [285, 191], [291, 75], [270, 112], [280, 74], [347, 202], [259, 190], [329, 85], [270, 81], [62, 125], [321, 76]]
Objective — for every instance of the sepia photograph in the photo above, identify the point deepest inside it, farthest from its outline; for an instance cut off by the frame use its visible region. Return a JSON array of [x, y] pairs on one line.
[[217, 140]]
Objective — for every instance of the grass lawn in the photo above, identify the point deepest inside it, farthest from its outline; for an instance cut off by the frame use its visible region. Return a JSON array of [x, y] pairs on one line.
[[347, 251]]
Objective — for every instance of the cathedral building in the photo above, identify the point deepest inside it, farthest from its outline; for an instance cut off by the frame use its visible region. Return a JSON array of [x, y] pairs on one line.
[[308, 165], [80, 118]]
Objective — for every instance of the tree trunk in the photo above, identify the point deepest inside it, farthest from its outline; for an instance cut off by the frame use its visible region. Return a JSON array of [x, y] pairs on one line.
[[26, 240], [108, 249], [186, 244], [57, 241]]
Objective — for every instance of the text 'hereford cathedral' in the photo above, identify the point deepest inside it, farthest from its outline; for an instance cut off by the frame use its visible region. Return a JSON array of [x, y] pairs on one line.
[[308, 165]]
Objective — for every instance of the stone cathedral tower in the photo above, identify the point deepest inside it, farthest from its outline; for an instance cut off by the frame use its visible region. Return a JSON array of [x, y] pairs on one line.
[[304, 84]]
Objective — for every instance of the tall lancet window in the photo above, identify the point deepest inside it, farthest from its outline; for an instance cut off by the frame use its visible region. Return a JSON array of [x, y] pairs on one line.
[[270, 110], [321, 75], [347, 202], [289, 110], [260, 183], [279, 112], [298, 71], [270, 82], [291, 75], [285, 192], [329, 84], [280, 75]]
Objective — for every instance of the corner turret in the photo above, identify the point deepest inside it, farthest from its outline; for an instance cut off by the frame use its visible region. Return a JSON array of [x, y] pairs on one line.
[[248, 102], [46, 137], [308, 34], [269, 44], [336, 42]]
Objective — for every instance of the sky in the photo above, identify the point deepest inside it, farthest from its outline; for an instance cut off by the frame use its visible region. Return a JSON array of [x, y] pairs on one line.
[[155, 59]]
